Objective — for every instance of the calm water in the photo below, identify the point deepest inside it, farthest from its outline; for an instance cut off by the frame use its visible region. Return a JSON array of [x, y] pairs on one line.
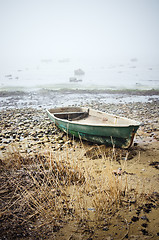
[[55, 74]]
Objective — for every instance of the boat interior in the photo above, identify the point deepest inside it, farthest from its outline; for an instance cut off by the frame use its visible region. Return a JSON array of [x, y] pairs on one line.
[[72, 116], [90, 116]]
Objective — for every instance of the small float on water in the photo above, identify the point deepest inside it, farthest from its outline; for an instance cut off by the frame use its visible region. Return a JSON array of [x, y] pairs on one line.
[[95, 126], [74, 79], [79, 72]]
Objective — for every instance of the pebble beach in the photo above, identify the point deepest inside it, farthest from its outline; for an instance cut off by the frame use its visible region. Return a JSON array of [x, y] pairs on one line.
[[24, 119]]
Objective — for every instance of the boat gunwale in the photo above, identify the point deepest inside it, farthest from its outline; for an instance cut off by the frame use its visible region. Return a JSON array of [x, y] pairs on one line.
[[136, 123]]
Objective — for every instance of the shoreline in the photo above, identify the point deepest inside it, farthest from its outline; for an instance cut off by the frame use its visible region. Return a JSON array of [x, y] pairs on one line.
[[148, 92], [46, 98]]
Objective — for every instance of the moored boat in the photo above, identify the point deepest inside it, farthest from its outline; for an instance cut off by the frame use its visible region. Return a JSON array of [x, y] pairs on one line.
[[95, 126]]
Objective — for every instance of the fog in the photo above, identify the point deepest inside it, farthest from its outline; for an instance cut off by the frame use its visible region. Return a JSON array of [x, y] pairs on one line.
[[48, 39]]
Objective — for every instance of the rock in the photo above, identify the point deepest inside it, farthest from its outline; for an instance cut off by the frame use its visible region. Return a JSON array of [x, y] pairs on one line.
[[134, 219], [105, 229], [144, 231], [144, 225], [155, 164], [2, 147], [117, 172], [145, 218]]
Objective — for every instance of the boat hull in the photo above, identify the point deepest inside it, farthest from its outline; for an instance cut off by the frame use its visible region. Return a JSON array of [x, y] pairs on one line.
[[119, 136]]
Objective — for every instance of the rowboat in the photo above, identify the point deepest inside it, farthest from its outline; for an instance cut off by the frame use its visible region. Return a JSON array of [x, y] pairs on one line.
[[95, 126]]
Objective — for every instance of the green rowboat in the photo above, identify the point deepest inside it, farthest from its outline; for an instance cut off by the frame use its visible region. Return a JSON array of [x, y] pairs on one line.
[[95, 126]]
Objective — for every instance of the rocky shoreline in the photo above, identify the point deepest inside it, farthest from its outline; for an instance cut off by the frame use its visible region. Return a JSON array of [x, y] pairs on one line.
[[32, 128]]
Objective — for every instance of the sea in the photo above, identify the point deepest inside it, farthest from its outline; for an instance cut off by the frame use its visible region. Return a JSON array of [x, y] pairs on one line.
[[56, 74], [46, 82]]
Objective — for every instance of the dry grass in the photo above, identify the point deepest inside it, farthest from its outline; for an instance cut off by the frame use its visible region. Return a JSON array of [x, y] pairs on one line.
[[104, 193], [44, 191]]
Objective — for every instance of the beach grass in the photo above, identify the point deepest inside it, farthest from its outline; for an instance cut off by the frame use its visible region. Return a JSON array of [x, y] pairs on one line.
[[49, 189]]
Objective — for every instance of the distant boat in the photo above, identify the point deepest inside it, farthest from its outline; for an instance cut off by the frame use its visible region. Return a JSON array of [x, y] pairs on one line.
[[64, 60], [79, 72], [95, 126], [8, 76], [73, 79]]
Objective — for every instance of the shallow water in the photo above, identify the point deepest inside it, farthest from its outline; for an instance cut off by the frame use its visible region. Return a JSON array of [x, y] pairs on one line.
[[51, 99]]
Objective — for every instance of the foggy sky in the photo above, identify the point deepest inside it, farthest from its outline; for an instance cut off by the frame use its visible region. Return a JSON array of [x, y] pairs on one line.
[[111, 29]]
